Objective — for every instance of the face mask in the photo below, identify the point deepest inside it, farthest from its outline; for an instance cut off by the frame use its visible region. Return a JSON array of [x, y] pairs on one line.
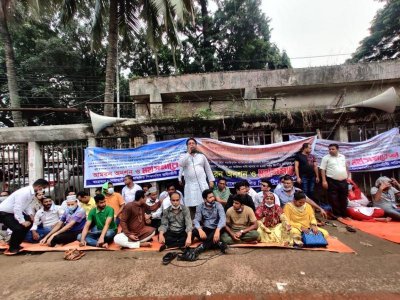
[[287, 189], [110, 191], [269, 205], [71, 209]]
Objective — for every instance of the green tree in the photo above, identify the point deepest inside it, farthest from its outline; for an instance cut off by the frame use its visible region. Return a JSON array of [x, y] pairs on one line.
[[383, 43]]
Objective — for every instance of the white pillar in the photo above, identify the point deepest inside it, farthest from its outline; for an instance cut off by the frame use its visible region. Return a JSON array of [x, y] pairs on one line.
[[156, 110], [341, 134], [276, 136], [35, 162], [214, 135], [151, 138]]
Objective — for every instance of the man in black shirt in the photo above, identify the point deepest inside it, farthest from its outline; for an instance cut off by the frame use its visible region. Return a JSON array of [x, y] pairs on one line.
[[241, 190], [306, 169]]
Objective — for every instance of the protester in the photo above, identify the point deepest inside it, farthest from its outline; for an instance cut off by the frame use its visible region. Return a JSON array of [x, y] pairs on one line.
[[146, 186], [250, 191], [37, 201], [166, 196], [69, 226], [104, 228], [306, 169], [135, 233], [153, 217], [385, 195], [69, 192], [113, 199], [85, 201], [241, 223], [266, 187], [45, 219], [221, 191], [301, 218], [196, 170], [287, 191], [208, 223], [272, 224], [334, 173], [4, 195], [16, 213], [176, 225], [130, 189], [98, 191], [241, 190]]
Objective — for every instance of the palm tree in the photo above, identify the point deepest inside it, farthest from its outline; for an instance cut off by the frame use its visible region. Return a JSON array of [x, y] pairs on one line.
[[126, 17], [5, 14]]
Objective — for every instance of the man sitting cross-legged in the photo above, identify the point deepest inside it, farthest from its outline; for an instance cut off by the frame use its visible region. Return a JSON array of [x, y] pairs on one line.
[[45, 219], [208, 222], [241, 223], [104, 230], [176, 225], [70, 225], [135, 233]]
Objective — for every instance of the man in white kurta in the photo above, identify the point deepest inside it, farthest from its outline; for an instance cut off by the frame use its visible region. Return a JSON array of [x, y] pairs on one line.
[[196, 170]]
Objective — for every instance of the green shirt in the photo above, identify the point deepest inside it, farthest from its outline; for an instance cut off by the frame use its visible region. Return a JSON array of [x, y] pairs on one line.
[[99, 217], [224, 195]]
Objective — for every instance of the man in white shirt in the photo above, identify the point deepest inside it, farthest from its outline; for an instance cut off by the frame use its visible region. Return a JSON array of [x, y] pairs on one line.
[[334, 173], [266, 186], [130, 189], [16, 213], [166, 196], [45, 219], [153, 218]]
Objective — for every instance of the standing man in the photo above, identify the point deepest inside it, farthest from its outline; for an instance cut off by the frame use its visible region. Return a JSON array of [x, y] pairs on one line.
[[104, 229], [16, 213], [130, 189], [221, 192], [306, 169], [196, 169], [334, 172]]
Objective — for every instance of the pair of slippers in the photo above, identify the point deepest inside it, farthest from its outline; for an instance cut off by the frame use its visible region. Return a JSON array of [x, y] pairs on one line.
[[73, 254]]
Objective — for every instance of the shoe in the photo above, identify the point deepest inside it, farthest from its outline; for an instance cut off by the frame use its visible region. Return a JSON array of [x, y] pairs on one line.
[[169, 257], [350, 229], [199, 249], [223, 247], [162, 247], [188, 255]]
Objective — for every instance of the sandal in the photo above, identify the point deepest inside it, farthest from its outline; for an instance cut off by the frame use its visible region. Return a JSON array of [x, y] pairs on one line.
[[169, 257], [73, 254], [330, 224], [350, 229]]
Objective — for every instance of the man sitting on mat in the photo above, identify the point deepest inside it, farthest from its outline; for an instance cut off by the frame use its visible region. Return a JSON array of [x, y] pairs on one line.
[[385, 194], [45, 219], [208, 222], [241, 223], [135, 233], [104, 230], [70, 225], [176, 225]]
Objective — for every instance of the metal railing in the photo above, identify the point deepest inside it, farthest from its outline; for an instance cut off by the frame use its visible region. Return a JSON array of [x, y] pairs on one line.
[[14, 166]]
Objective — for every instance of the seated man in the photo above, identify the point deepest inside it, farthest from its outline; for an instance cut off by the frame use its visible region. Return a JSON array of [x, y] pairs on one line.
[[104, 229], [176, 225], [241, 224], [135, 233], [384, 195], [86, 202], [69, 226], [113, 199], [166, 196], [286, 194], [153, 218], [266, 187], [4, 195], [45, 219], [208, 222], [71, 195], [250, 191], [221, 191], [241, 190]]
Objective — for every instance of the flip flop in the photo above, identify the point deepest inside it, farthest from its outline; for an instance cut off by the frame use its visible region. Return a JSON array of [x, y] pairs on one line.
[[330, 224], [350, 229]]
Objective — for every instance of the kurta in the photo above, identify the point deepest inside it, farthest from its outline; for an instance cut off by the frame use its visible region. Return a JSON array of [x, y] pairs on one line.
[[196, 170], [133, 219]]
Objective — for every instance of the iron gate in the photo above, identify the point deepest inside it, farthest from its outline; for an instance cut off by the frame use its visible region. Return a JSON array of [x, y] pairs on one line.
[[14, 166]]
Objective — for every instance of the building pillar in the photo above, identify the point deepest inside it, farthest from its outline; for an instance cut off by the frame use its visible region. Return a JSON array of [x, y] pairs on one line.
[[249, 93], [156, 110], [276, 136], [151, 138], [341, 134], [214, 135], [35, 162]]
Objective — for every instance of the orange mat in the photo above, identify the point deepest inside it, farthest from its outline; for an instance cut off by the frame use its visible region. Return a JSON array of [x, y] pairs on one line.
[[334, 245], [389, 231]]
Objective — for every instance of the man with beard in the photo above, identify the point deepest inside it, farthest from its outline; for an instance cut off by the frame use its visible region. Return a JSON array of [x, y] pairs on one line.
[[241, 190]]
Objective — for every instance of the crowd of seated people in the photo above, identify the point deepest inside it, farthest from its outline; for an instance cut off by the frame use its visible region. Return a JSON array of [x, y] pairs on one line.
[[277, 216]]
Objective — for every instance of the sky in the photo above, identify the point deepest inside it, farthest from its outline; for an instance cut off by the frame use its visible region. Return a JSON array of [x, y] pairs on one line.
[[307, 28]]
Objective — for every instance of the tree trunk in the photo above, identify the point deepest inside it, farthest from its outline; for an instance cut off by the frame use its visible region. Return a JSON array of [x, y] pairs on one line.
[[111, 58], [207, 55], [10, 65]]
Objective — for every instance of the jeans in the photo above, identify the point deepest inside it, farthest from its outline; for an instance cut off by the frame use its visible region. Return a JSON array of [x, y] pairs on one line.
[[93, 236], [175, 239], [307, 185], [42, 232], [64, 238], [208, 243], [18, 231]]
